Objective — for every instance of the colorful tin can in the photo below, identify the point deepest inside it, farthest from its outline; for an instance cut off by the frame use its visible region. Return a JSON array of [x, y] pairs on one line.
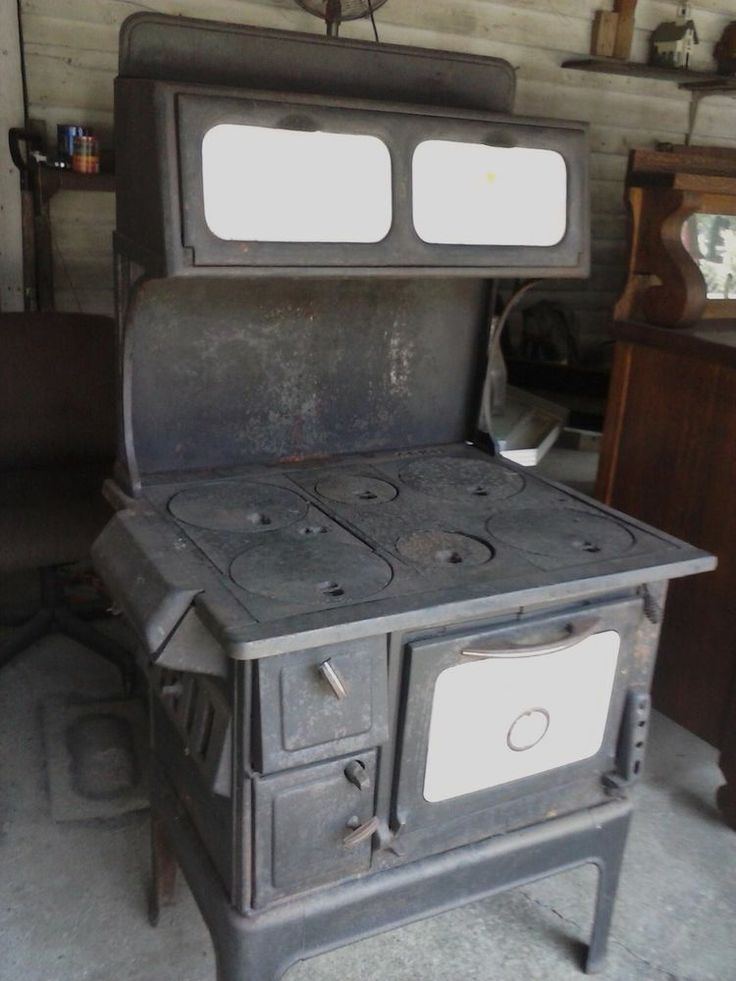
[[65, 136], [86, 156]]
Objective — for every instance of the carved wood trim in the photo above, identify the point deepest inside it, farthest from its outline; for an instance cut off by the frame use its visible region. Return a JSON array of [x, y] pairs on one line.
[[664, 285], [679, 299]]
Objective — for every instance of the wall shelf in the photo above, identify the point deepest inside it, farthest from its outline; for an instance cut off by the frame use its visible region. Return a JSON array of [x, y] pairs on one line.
[[614, 66], [699, 84], [52, 180]]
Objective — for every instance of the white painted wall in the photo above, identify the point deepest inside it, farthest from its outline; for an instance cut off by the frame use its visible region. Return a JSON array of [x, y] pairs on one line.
[[71, 52]]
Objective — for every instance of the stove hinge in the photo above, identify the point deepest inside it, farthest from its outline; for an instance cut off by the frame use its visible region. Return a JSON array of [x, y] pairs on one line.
[[631, 743], [651, 607]]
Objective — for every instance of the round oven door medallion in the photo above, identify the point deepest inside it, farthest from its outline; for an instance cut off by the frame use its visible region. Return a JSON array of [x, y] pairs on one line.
[[528, 730]]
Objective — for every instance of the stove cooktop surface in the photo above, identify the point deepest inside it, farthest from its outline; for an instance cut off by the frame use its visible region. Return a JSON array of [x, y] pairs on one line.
[[417, 528]]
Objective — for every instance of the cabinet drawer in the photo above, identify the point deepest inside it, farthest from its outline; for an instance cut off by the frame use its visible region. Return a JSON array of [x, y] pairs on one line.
[[312, 826], [323, 702]]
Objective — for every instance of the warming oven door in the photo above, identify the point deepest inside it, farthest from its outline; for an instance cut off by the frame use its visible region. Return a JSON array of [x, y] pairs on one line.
[[518, 713]]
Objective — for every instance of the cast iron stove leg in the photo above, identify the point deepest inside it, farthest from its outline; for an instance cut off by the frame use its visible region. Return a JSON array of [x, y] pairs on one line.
[[253, 961], [163, 870], [609, 871]]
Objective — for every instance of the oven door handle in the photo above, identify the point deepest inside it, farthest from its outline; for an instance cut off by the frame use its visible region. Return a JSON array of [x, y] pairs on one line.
[[575, 634]]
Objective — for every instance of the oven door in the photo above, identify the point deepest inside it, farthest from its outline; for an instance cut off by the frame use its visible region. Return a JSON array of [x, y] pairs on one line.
[[516, 711]]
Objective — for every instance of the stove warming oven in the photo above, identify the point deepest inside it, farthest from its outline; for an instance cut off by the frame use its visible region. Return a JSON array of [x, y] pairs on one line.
[[390, 673]]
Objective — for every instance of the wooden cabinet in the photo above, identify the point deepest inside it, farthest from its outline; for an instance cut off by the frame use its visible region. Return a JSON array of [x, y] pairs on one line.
[[669, 457]]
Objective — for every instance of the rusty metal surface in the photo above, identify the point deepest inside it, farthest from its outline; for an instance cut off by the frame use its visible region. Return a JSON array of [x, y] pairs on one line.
[[222, 373], [243, 507], [313, 570], [184, 49], [428, 549], [562, 532], [312, 527], [351, 565], [477, 482]]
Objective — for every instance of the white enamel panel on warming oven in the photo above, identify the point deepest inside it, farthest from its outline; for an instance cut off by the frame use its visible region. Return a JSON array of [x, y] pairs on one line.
[[473, 194], [278, 185], [503, 718]]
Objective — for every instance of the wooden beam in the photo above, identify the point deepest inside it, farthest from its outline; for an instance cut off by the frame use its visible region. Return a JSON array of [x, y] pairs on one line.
[[11, 114], [626, 9], [605, 27]]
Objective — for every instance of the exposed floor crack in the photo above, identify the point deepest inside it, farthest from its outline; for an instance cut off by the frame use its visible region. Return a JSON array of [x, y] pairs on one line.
[[665, 972]]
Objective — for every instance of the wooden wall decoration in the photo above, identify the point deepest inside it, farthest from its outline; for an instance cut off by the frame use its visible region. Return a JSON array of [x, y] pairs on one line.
[[663, 189], [613, 30], [626, 10], [603, 38]]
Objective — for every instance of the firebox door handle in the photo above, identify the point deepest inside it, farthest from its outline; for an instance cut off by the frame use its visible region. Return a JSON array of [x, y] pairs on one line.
[[362, 833], [333, 679], [574, 634]]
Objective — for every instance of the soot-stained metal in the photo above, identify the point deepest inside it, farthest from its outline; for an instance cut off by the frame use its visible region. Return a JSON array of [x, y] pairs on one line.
[[388, 672]]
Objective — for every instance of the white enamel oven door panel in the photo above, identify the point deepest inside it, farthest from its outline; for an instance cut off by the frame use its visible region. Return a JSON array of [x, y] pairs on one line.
[[512, 710], [507, 716]]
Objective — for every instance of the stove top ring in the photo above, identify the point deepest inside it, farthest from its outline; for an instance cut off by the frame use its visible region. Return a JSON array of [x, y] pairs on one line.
[[315, 572], [561, 532], [355, 489], [241, 506], [477, 482], [444, 549]]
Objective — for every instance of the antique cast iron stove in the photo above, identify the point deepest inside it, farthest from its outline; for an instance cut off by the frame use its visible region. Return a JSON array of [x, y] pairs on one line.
[[390, 673]]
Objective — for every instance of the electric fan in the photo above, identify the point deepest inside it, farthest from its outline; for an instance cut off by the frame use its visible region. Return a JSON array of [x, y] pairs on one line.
[[334, 12]]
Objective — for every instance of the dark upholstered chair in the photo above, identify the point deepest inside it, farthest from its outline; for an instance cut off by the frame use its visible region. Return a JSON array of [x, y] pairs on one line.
[[57, 426]]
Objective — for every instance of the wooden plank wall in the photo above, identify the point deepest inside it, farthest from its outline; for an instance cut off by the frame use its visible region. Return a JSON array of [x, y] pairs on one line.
[[70, 49], [11, 114]]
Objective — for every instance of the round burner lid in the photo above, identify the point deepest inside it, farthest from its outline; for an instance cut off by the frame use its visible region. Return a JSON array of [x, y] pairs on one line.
[[444, 549], [315, 572], [351, 488], [237, 506], [477, 481], [562, 532]]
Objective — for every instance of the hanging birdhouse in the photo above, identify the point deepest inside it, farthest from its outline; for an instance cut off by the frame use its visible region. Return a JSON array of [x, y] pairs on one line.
[[673, 41]]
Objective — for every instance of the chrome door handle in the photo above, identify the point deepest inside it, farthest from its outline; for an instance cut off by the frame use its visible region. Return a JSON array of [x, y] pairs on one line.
[[575, 634], [362, 833], [333, 679]]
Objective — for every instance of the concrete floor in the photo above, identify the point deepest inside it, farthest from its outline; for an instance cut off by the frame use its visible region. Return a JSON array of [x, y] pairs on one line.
[[72, 894]]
